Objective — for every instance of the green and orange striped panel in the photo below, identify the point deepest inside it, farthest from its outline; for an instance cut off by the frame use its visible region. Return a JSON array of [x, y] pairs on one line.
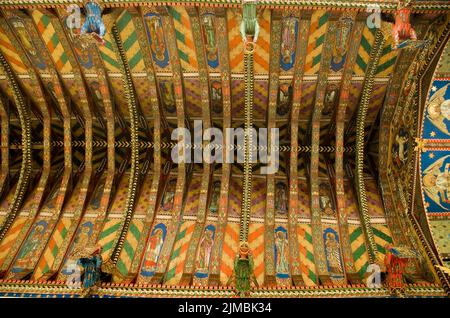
[[307, 254], [317, 31], [178, 258], [11, 237], [185, 42], [58, 236], [11, 54], [52, 42], [387, 60]]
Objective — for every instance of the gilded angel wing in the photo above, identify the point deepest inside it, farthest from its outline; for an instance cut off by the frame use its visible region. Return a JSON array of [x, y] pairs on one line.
[[439, 124], [431, 191], [438, 97], [438, 163]]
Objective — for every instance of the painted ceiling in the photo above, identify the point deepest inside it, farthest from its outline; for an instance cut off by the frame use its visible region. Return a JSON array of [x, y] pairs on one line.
[[97, 165]]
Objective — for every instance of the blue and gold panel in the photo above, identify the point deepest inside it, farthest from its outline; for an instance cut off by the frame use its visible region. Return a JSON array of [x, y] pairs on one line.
[[288, 43], [155, 33], [435, 173], [436, 123]]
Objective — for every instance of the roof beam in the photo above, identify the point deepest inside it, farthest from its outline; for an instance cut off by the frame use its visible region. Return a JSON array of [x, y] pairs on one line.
[[294, 210], [269, 222], [216, 253], [352, 52], [189, 266], [172, 230], [316, 224], [359, 5]]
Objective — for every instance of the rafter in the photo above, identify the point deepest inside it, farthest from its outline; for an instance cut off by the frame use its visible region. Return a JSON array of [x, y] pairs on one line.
[[216, 253], [163, 261], [269, 222], [316, 224], [199, 228], [339, 154]]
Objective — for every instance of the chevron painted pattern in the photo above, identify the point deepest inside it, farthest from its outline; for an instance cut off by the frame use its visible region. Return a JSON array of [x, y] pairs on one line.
[[229, 250], [108, 236], [256, 243], [51, 251], [129, 248], [387, 60], [11, 54], [235, 199], [308, 94], [317, 31], [108, 54], [178, 257], [237, 98], [374, 199], [376, 101], [258, 198], [192, 96], [307, 254], [303, 199], [261, 99], [382, 236], [367, 39], [360, 256], [51, 40], [10, 238], [191, 205], [261, 55], [185, 42], [130, 42], [235, 43]]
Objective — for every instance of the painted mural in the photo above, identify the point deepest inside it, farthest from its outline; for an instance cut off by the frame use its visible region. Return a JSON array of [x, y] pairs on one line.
[[281, 198], [154, 247], [30, 249], [210, 40], [289, 43], [214, 204], [204, 252], [28, 42], [437, 113], [281, 249], [333, 254], [340, 43], [169, 195], [155, 33], [435, 166]]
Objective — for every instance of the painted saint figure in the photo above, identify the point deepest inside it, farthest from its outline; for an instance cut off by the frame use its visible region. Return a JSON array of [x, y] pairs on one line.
[[216, 97], [332, 253], [154, 248], [214, 205], [204, 250], [243, 274], [169, 195], [284, 99], [210, 38], [288, 40], [167, 95], [400, 147], [281, 198], [29, 250], [281, 249]]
